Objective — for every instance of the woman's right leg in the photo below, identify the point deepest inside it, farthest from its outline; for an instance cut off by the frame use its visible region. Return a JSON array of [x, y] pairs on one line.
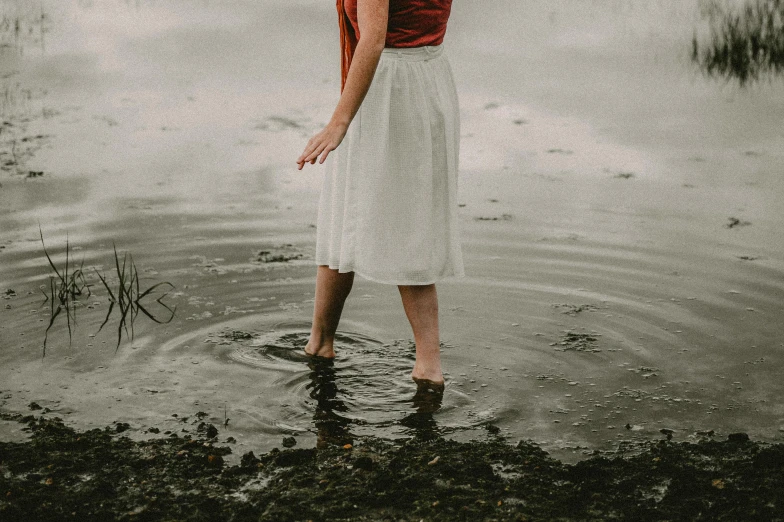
[[332, 289]]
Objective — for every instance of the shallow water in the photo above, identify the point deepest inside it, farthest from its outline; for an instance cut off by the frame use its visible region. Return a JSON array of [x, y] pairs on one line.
[[600, 172]]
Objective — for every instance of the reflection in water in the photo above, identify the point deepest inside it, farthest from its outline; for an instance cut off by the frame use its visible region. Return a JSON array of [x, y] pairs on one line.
[[426, 401], [69, 284], [744, 43], [190, 170], [332, 426]]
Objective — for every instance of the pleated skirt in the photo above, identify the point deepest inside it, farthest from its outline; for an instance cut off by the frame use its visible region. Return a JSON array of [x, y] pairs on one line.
[[388, 204]]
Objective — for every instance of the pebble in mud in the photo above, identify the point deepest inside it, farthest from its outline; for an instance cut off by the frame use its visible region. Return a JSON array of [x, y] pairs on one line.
[[289, 442]]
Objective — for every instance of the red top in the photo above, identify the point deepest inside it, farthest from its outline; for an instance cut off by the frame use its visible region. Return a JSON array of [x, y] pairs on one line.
[[412, 23]]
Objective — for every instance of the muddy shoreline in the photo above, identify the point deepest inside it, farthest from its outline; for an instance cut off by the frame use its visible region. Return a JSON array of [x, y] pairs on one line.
[[101, 474]]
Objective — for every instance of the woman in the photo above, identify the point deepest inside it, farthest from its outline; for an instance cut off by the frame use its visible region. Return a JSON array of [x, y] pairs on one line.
[[388, 208]]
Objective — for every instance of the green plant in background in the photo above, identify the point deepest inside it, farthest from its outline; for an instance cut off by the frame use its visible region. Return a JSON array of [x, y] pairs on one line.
[[744, 43], [68, 284]]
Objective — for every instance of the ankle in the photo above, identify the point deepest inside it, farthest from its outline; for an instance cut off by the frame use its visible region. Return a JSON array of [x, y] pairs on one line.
[[430, 370], [320, 346], [319, 338]]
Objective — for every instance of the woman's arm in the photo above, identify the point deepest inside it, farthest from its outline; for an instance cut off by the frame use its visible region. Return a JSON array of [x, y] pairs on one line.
[[372, 16]]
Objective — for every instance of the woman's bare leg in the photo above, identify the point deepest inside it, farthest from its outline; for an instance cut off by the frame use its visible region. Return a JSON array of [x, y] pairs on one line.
[[332, 289], [421, 305]]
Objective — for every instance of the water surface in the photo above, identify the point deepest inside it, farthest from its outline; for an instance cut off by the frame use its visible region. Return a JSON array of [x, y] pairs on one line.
[[600, 174]]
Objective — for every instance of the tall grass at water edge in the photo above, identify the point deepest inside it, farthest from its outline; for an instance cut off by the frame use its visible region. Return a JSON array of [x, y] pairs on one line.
[[68, 284]]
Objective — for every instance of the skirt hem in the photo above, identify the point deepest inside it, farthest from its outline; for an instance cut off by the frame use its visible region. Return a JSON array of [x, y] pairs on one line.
[[387, 281]]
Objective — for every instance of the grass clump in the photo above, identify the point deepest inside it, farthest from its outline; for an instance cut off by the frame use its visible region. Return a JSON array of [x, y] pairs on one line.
[[68, 284], [65, 287], [744, 43], [128, 295]]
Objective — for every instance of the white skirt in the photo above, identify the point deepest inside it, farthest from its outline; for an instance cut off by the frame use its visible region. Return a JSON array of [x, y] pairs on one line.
[[388, 204]]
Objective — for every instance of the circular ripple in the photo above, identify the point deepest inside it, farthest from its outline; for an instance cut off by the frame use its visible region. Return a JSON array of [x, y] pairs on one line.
[[367, 386]]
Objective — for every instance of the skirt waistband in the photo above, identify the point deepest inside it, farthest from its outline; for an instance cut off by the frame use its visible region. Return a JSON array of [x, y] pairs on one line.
[[415, 54]]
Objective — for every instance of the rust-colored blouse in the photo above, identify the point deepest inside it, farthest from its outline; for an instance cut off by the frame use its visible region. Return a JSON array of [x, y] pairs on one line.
[[412, 23]]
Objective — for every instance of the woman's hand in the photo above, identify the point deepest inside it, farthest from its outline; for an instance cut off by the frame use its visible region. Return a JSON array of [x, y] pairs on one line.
[[322, 144], [372, 17]]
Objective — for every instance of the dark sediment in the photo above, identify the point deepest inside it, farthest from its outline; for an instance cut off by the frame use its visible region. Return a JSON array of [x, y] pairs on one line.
[[100, 475]]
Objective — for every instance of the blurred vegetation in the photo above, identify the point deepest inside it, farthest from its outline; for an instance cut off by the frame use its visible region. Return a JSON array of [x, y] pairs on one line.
[[744, 42]]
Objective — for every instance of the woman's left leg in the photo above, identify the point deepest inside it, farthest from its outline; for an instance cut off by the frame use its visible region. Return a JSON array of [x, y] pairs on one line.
[[421, 305]]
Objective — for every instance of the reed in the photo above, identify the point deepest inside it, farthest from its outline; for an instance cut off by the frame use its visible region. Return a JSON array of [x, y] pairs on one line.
[[65, 287], [745, 43], [127, 296], [68, 284]]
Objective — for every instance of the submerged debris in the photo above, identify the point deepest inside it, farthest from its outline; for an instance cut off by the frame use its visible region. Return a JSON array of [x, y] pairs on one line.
[[236, 335], [503, 217], [279, 254], [735, 222], [571, 309], [581, 342]]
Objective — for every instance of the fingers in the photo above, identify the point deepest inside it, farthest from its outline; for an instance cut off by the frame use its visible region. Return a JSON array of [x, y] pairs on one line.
[[313, 156], [319, 145], [309, 148], [327, 150]]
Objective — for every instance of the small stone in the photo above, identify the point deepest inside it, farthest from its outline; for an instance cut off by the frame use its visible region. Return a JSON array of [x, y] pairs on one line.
[[365, 463], [215, 460], [289, 442], [249, 460], [433, 462], [738, 437], [493, 429]]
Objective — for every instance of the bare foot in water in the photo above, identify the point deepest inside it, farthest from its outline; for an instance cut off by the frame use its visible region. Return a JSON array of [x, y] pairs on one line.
[[433, 379], [326, 351]]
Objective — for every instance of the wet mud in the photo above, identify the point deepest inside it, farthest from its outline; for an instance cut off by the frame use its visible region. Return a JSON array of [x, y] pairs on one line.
[[101, 475]]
